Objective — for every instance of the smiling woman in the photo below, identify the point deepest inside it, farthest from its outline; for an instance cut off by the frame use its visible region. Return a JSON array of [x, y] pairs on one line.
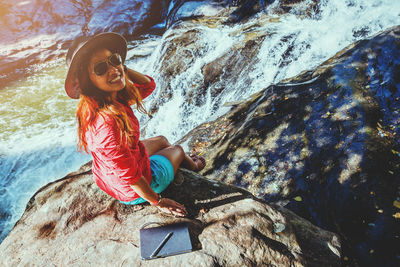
[[108, 81], [129, 170]]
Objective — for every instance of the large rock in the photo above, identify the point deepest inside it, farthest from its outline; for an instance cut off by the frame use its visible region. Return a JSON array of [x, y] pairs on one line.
[[37, 31], [325, 143], [187, 65], [72, 222], [184, 44]]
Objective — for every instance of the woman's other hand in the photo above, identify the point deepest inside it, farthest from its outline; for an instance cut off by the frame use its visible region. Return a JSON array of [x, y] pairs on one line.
[[172, 207]]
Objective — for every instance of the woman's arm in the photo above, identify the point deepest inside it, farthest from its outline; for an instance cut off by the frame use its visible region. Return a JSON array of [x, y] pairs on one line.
[[145, 84], [143, 189], [137, 77]]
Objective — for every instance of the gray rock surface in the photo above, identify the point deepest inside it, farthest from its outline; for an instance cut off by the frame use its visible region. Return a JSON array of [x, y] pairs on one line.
[[71, 222], [325, 144]]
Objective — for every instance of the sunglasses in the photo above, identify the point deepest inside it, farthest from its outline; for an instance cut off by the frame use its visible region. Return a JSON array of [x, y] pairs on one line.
[[101, 68]]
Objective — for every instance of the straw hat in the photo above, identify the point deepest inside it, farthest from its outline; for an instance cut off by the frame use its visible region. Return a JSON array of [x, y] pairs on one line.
[[80, 47]]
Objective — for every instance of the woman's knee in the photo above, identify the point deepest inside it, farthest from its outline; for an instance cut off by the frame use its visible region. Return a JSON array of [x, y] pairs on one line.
[[162, 139], [179, 149], [174, 152]]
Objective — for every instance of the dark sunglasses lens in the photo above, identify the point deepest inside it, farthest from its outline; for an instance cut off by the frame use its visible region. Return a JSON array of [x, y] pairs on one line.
[[115, 59], [101, 68]]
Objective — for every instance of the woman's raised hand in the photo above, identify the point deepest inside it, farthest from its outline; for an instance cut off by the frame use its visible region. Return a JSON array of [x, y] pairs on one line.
[[172, 207]]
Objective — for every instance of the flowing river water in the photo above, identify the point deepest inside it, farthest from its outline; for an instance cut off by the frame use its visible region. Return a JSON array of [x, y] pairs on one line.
[[37, 123]]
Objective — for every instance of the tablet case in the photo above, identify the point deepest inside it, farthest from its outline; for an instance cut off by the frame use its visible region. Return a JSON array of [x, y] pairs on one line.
[[163, 241]]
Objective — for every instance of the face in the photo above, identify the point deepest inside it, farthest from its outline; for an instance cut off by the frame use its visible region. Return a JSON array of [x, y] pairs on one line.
[[113, 80]]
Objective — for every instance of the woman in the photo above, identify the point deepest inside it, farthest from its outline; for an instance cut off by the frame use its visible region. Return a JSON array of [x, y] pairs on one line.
[[124, 167]]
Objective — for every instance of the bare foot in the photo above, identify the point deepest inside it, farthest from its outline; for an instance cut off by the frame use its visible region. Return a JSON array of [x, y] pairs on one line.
[[199, 161]]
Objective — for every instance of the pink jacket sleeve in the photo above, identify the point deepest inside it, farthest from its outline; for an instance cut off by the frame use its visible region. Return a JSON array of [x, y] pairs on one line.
[[147, 88], [115, 159]]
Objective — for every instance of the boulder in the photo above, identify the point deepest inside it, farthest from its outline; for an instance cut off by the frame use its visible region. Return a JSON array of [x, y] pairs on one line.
[[325, 144], [187, 67], [72, 222], [182, 47]]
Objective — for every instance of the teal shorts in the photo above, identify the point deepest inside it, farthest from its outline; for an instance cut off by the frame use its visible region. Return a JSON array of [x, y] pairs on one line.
[[162, 174]]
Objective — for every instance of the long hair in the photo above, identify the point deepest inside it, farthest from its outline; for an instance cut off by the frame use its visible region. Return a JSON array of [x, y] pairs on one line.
[[95, 102]]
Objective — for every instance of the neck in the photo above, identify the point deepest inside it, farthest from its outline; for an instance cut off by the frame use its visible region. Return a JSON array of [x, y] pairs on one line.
[[114, 96]]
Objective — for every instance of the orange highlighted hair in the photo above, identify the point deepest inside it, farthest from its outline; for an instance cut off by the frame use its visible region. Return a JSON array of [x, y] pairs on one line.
[[94, 102]]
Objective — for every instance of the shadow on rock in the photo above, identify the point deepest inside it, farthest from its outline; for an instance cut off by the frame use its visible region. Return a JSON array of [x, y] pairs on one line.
[[72, 222], [325, 144]]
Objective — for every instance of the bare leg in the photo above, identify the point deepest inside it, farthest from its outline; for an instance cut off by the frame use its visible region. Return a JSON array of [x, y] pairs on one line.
[[177, 156], [155, 144]]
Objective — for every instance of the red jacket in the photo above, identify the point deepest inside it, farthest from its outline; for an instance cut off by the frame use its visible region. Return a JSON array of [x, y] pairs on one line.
[[115, 169]]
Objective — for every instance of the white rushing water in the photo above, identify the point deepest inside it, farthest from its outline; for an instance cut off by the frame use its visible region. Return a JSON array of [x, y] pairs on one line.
[[295, 43], [38, 135]]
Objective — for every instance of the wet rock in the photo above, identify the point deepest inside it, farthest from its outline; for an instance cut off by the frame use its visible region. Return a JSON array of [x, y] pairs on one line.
[[187, 67], [129, 18], [72, 222], [31, 19], [248, 8], [183, 44], [35, 32], [181, 47], [218, 73], [184, 10], [325, 144]]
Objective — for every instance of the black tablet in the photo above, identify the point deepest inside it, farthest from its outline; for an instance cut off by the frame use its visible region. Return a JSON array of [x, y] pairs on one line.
[[164, 241]]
